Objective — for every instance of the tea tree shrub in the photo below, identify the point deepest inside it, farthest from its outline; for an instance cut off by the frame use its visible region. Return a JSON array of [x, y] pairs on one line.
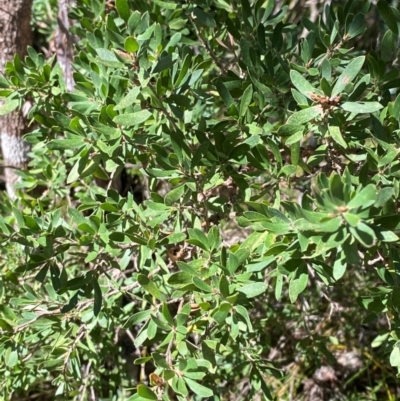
[[212, 212]]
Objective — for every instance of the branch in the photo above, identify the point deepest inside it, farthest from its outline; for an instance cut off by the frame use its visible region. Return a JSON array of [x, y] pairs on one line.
[[207, 46]]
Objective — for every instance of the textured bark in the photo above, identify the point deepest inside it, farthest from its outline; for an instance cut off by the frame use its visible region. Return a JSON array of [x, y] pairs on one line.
[[15, 36], [64, 42]]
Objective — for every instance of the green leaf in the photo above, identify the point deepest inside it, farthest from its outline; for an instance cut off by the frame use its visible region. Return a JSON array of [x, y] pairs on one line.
[[177, 24], [62, 119], [253, 290], [188, 270], [201, 285], [200, 238], [214, 238], [297, 137], [160, 207], [4, 84], [12, 359], [388, 158], [337, 136], [379, 340], [305, 115], [128, 99], [143, 360], [180, 279], [386, 236], [339, 266], [19, 217], [132, 118], [348, 75], [395, 356], [225, 94], [300, 99], [98, 297], [86, 228], [203, 18], [5, 325], [387, 15], [364, 234], [278, 287], [257, 381], [358, 26], [173, 238], [74, 142], [183, 73], [351, 218], [123, 9], [174, 195], [383, 196], [108, 58], [361, 107], [364, 199], [289, 130], [194, 77], [232, 263], [77, 216], [303, 85], [165, 4], [167, 315], [298, 283], [388, 46], [198, 389], [33, 55], [396, 107], [242, 311], [150, 287], [9, 106], [246, 100], [138, 318], [146, 393], [131, 45], [165, 62]]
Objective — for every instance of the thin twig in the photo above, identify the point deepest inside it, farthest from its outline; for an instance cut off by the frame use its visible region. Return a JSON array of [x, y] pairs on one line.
[[86, 381], [127, 246], [168, 353], [12, 167], [111, 180], [81, 332], [207, 46]]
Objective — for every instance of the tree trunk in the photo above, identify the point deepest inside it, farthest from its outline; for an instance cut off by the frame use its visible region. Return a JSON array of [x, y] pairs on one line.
[[65, 42], [15, 36]]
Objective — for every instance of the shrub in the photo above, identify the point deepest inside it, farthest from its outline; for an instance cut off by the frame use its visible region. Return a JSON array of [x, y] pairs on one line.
[[221, 177]]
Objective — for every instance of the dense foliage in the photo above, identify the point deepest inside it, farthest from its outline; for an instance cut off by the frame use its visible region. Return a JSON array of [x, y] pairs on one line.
[[212, 212]]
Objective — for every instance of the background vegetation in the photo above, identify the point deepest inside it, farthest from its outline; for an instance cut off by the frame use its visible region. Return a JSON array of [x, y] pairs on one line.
[[212, 212]]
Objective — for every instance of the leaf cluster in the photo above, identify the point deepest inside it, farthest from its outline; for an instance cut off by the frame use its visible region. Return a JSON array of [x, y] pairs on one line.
[[229, 115]]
